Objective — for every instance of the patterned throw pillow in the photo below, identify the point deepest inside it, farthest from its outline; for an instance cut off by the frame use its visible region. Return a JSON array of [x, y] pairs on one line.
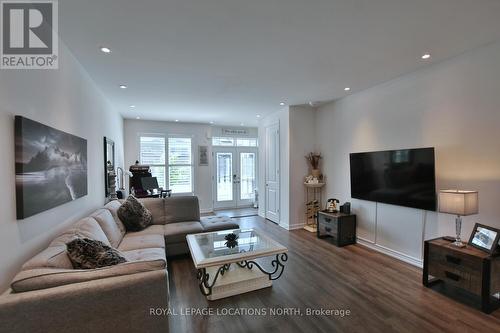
[[88, 253], [134, 215]]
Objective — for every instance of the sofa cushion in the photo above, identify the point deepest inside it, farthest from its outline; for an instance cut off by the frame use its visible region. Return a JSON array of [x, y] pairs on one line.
[[134, 215], [181, 209], [42, 278], [109, 226], [151, 230], [135, 242], [155, 256], [51, 257], [215, 223], [113, 207], [85, 228], [176, 232], [89, 254], [157, 208]]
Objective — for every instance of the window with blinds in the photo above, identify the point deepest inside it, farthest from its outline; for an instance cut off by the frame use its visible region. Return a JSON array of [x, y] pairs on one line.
[[180, 165], [231, 142], [152, 153]]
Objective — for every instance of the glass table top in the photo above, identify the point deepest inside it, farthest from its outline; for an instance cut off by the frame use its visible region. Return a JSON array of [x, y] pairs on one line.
[[216, 247]]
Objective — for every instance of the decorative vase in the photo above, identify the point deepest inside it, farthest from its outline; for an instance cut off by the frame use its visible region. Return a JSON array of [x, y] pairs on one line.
[[316, 173]]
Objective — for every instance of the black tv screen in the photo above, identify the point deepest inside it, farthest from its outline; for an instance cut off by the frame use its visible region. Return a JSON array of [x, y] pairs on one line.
[[400, 177]]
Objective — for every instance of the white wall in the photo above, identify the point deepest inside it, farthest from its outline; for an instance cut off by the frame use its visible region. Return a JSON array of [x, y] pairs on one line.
[[201, 135], [297, 138], [302, 142], [68, 100], [453, 106]]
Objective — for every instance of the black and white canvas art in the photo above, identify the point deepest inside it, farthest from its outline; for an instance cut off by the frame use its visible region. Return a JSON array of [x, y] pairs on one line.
[[51, 167]]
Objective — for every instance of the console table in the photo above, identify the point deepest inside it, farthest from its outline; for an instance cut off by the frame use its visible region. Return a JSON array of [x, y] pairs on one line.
[[340, 228], [467, 274]]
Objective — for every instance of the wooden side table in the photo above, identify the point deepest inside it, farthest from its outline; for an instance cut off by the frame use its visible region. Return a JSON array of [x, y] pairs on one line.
[[339, 227], [474, 275]]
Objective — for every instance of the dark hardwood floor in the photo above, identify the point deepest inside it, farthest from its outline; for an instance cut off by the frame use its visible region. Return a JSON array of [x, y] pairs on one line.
[[381, 293]]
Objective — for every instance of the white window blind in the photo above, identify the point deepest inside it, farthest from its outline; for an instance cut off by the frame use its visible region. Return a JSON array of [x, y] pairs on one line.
[[222, 141], [231, 142], [180, 165], [152, 153], [244, 142]]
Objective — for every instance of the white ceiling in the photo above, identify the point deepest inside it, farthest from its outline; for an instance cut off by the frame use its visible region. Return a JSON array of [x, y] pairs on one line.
[[229, 60]]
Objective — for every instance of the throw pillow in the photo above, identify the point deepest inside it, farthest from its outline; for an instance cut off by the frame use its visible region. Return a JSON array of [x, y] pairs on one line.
[[134, 215], [86, 253]]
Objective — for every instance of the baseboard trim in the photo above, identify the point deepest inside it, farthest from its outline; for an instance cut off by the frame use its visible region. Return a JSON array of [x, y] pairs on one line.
[[294, 226], [206, 210], [392, 253]]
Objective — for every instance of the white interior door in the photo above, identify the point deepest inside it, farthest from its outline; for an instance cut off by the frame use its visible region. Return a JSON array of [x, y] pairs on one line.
[[247, 176], [235, 177], [272, 179], [224, 187]]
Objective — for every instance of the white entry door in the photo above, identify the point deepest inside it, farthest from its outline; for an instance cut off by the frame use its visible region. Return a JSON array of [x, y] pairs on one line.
[[235, 177], [272, 179]]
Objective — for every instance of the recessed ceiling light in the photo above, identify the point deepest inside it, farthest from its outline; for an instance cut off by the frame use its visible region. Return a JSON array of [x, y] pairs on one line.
[[211, 122], [242, 124], [137, 117], [282, 103], [122, 86], [258, 116], [426, 56], [347, 88], [132, 106], [176, 120], [105, 50]]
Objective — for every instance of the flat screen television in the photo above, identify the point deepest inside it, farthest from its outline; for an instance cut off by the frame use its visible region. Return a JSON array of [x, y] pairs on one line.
[[403, 177]]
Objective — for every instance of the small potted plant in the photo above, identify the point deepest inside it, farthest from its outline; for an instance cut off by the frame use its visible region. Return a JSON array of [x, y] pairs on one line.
[[313, 159]]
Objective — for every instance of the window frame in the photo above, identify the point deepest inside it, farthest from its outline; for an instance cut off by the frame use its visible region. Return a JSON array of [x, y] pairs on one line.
[[165, 165], [167, 170], [235, 140]]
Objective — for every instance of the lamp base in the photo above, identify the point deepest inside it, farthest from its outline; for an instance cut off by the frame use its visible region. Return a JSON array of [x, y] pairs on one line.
[[458, 243]]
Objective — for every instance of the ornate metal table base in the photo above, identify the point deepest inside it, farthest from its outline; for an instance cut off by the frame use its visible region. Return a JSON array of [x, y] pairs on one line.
[[204, 277], [277, 263]]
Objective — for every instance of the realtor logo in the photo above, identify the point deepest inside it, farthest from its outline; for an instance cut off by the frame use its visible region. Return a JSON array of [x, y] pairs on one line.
[[29, 35]]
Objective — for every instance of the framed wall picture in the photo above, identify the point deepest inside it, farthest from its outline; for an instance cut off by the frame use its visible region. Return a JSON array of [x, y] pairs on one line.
[[203, 152], [109, 156], [485, 238], [51, 167]]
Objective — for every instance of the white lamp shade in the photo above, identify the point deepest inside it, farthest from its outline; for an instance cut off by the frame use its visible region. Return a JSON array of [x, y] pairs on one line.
[[458, 202]]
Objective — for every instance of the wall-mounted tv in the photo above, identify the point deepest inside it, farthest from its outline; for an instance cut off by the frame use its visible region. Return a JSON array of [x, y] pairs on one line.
[[403, 177]]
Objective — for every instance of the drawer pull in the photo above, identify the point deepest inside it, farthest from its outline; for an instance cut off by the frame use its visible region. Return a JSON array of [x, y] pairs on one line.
[[452, 276], [453, 260], [328, 219], [328, 229]]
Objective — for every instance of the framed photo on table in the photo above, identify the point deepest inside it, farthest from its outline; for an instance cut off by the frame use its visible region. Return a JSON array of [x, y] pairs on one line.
[[485, 238]]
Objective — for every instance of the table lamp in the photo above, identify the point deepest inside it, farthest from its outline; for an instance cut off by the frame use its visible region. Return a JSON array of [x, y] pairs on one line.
[[460, 203]]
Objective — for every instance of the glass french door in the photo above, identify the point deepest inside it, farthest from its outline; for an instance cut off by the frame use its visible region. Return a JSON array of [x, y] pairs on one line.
[[235, 177]]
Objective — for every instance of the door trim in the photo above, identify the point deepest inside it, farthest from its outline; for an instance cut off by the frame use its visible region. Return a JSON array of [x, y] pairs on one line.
[[235, 151]]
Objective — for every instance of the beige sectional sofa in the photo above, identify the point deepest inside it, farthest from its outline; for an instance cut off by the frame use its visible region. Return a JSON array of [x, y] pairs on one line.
[[48, 295]]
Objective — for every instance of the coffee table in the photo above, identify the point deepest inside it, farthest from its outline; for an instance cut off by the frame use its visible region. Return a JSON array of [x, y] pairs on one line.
[[228, 268]]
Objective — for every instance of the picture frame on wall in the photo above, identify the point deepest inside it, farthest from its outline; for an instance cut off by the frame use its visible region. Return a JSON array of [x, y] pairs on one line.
[[109, 156], [51, 167], [485, 238], [203, 155]]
